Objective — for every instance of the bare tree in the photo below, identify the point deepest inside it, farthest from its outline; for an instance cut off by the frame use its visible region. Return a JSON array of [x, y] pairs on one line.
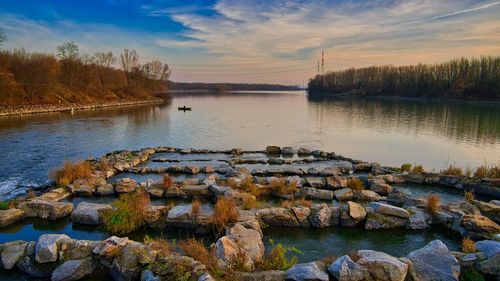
[[156, 70], [68, 53], [129, 60], [103, 62]]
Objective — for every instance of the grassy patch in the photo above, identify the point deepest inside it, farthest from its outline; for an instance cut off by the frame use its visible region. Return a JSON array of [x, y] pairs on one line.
[[70, 171], [406, 167], [432, 203], [281, 187], [225, 212], [128, 213], [249, 202], [417, 169], [4, 205], [279, 258]]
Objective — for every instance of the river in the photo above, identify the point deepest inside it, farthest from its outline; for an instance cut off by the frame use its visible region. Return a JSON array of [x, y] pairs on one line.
[[388, 131]]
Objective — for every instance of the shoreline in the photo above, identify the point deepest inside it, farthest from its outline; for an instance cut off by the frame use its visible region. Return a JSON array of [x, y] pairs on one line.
[[48, 108]]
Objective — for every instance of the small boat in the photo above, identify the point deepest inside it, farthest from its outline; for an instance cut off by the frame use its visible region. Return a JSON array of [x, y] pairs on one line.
[[184, 108]]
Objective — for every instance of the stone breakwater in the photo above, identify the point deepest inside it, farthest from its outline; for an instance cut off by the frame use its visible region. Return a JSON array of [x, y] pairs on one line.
[[323, 177], [46, 108]]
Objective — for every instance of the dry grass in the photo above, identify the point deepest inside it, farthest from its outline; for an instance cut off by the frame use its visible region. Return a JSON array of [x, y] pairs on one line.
[[432, 203], [469, 196], [128, 213], [31, 194], [286, 204], [238, 261], [195, 206], [281, 187], [159, 245], [296, 202], [406, 167], [69, 172], [355, 184], [247, 185], [249, 202], [195, 249], [468, 172], [452, 170], [225, 212], [486, 171], [417, 169], [468, 246], [168, 181]]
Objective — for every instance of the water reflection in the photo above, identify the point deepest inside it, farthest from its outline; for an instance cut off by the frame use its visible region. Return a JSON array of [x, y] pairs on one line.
[[391, 132]]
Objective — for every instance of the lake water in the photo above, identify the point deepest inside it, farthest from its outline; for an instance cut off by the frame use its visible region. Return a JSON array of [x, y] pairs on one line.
[[388, 131]]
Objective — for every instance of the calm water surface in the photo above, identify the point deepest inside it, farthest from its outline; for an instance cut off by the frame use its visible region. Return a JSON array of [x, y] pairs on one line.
[[391, 132]]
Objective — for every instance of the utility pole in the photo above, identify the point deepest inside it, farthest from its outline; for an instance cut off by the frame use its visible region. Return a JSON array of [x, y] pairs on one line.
[[322, 62], [318, 68]]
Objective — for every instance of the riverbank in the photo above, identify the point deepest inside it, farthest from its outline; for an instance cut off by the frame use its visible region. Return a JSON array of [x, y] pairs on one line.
[[46, 108]]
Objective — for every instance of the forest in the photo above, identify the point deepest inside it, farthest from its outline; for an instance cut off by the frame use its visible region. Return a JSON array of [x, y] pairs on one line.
[[223, 87], [460, 79], [72, 77]]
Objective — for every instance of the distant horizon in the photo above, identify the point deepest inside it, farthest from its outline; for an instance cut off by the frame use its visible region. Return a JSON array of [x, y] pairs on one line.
[[274, 42]]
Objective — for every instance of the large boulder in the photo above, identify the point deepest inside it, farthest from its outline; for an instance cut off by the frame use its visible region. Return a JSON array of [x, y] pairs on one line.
[[492, 251], [288, 151], [312, 271], [380, 187], [324, 216], [10, 216], [248, 239], [344, 269], [389, 210], [315, 182], [46, 209], [227, 249], [11, 253], [110, 247], [478, 226], [89, 213], [336, 182], [344, 194], [125, 266], [302, 214], [196, 190], [489, 210], [77, 249], [126, 185], [382, 266], [315, 193], [73, 270], [352, 214], [278, 216], [419, 218], [380, 221], [47, 247], [366, 195], [433, 262]]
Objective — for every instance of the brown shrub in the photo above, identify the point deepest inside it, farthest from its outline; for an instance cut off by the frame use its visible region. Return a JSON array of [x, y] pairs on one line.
[[485, 171], [70, 171], [417, 169], [195, 249], [239, 261], [168, 181], [195, 206], [355, 184], [158, 244], [286, 204], [453, 170], [281, 187], [249, 202], [468, 246], [469, 196], [406, 167], [432, 203], [247, 185], [225, 212]]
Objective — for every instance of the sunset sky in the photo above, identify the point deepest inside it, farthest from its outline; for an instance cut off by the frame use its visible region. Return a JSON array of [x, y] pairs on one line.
[[259, 41]]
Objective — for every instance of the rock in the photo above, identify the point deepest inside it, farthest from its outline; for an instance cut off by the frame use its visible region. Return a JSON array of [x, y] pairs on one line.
[[105, 189], [433, 262], [190, 169], [307, 272], [56, 194], [288, 150], [315, 193], [126, 185], [302, 214], [273, 150], [156, 192], [148, 275], [83, 190], [380, 187], [73, 270], [180, 216], [11, 253], [196, 190], [275, 161], [344, 269], [46, 209], [89, 213], [382, 266], [343, 194], [29, 266], [325, 216], [315, 182], [77, 249], [390, 210], [367, 195], [205, 277], [303, 152], [362, 166], [356, 211], [479, 226], [269, 275], [419, 218], [380, 221], [492, 251], [10, 216], [278, 216], [249, 240], [46, 249], [110, 247], [226, 249], [492, 211], [208, 169], [125, 266]]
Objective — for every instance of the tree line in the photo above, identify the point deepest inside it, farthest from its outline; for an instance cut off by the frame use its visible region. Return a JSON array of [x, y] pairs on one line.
[[462, 78], [70, 76], [222, 87]]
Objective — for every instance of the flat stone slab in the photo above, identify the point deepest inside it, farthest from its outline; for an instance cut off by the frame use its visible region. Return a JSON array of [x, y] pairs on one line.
[[89, 213], [10, 216]]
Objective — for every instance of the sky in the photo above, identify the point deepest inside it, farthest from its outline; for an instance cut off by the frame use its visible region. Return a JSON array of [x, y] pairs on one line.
[[262, 41]]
